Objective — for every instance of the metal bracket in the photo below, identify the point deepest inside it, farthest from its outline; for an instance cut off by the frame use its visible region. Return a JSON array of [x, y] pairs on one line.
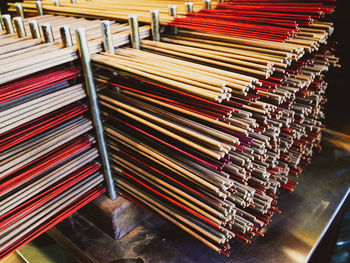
[[134, 31], [66, 36], [1, 23], [56, 3], [155, 25], [34, 29], [20, 29], [47, 33], [189, 7], [8, 24], [173, 13], [172, 10], [107, 37], [207, 4], [19, 10], [39, 7]]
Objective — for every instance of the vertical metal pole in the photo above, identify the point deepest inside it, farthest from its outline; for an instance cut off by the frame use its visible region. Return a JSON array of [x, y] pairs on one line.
[[107, 37], [66, 36], [189, 7], [34, 29], [221, 1], [8, 24], [95, 110], [39, 7], [19, 10], [173, 13], [207, 4], [47, 33], [134, 32], [56, 2], [21, 31], [155, 25]]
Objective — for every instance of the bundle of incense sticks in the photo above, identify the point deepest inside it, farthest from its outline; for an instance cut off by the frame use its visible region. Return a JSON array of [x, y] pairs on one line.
[[206, 128], [111, 9], [48, 159], [30, 50], [281, 21], [202, 135], [48, 166]]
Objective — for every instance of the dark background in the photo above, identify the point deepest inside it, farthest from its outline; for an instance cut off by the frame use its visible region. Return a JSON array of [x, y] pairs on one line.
[[338, 107], [338, 93]]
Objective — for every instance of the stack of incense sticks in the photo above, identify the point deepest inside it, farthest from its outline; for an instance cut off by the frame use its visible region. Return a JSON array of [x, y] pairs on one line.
[[203, 136], [188, 156], [207, 126], [111, 9], [26, 51], [47, 161], [280, 21], [49, 165]]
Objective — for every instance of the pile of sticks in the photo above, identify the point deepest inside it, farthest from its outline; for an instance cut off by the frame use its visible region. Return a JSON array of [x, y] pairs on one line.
[[48, 168], [206, 127], [281, 21], [28, 50], [48, 160], [202, 135], [111, 9]]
